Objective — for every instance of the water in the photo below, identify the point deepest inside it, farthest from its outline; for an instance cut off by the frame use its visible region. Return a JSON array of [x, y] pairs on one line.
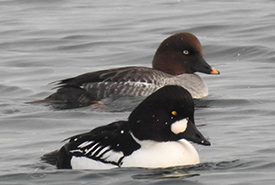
[[43, 41]]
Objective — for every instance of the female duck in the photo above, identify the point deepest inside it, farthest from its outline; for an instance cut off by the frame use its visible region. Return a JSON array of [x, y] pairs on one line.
[[176, 60]]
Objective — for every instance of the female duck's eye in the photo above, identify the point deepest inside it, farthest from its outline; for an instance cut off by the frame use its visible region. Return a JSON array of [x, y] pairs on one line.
[[186, 52], [174, 113]]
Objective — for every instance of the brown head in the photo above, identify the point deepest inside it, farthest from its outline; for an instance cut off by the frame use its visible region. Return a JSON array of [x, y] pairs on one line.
[[181, 53]]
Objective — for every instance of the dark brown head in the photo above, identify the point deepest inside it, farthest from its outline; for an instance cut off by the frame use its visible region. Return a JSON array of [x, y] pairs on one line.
[[181, 53]]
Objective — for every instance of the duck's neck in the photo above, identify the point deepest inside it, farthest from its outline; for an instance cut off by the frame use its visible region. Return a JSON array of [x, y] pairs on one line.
[[169, 65]]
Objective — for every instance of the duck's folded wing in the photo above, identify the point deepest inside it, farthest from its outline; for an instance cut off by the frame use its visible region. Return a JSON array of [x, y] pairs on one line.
[[125, 74], [107, 144], [127, 81]]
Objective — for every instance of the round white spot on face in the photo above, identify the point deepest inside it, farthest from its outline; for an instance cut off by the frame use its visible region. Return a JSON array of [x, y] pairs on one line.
[[179, 126]]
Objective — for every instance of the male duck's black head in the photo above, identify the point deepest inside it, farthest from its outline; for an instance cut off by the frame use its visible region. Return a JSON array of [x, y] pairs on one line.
[[181, 53], [166, 115]]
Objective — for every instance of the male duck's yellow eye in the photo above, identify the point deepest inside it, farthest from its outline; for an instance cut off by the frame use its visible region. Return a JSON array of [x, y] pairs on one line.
[[174, 113]]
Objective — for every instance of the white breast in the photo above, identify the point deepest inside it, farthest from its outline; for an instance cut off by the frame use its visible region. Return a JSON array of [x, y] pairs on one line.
[[162, 155]]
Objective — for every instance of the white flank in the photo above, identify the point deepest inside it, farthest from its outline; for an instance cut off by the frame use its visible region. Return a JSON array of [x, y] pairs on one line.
[[87, 163]]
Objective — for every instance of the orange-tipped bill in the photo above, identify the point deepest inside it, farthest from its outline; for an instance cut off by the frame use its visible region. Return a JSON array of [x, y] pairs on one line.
[[214, 71]]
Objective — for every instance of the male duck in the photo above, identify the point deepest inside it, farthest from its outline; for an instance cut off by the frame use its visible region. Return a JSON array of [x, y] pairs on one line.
[[156, 135]]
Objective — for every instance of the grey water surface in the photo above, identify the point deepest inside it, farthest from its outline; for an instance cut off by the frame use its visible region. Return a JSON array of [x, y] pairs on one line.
[[42, 41]]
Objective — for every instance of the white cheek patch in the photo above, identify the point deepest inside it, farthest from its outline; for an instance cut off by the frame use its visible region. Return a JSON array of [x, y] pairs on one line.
[[179, 126]]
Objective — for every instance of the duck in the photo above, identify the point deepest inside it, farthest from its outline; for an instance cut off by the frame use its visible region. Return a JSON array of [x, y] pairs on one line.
[[157, 134], [175, 62]]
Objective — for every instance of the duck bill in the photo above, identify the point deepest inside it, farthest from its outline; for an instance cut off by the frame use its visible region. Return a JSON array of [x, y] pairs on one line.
[[202, 66], [193, 134], [214, 71]]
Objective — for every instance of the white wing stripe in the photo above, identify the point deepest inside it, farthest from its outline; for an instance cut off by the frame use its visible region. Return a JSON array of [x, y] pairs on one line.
[[90, 149], [103, 150], [83, 145]]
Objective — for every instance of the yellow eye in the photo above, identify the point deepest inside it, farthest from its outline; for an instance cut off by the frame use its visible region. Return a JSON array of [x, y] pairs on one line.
[[174, 113], [186, 52]]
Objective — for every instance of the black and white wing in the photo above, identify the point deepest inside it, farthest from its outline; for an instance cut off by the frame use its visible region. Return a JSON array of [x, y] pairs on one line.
[[106, 144]]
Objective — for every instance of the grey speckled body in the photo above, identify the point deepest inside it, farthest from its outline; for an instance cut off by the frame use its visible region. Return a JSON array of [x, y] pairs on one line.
[[144, 87]]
